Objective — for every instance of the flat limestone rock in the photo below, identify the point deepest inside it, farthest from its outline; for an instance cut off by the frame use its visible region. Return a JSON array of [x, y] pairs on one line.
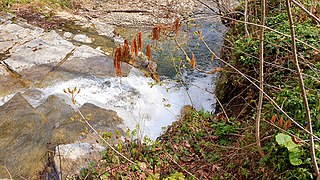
[[73, 157], [82, 38], [13, 34], [84, 62], [48, 48]]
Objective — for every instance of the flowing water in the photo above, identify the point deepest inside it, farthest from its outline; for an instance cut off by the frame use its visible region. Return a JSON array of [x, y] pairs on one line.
[[136, 98]]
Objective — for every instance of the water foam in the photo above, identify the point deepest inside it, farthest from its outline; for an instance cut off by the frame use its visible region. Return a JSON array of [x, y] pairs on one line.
[[136, 100]]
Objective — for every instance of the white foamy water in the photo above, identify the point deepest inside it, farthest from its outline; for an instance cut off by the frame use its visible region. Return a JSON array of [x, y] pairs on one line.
[[136, 101]]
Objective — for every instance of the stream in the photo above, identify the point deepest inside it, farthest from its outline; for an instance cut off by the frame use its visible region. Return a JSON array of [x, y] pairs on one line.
[[36, 65], [136, 98]]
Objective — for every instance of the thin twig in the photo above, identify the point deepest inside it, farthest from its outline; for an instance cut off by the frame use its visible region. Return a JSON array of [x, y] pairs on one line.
[[91, 127], [224, 112], [303, 90], [257, 134], [306, 11], [269, 28], [265, 94], [246, 18], [10, 177], [184, 169]]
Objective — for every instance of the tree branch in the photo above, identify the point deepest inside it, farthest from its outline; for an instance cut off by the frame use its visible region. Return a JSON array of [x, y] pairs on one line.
[[306, 11], [303, 91], [263, 14]]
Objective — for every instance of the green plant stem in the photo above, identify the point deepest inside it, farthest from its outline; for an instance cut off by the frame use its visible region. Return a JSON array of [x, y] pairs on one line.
[[263, 14], [130, 161], [302, 88]]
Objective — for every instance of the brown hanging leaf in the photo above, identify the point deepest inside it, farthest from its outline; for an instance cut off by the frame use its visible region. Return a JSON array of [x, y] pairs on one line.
[[193, 62], [125, 51], [132, 50], [140, 42], [274, 118], [65, 91], [156, 30], [287, 125], [295, 139], [176, 26], [148, 52], [280, 122], [134, 47], [117, 61], [69, 90]]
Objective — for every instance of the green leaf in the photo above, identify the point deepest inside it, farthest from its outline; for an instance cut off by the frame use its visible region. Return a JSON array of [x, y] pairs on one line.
[[282, 139], [294, 158], [286, 141]]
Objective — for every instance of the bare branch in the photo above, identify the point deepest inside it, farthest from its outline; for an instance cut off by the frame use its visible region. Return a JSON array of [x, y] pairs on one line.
[[302, 88], [306, 11], [264, 93], [263, 14]]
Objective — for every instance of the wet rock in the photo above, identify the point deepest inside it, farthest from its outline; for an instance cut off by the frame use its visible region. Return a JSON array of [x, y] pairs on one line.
[[67, 34], [22, 150], [34, 96], [75, 156], [103, 29], [48, 48], [70, 158], [84, 62], [82, 38], [28, 134]]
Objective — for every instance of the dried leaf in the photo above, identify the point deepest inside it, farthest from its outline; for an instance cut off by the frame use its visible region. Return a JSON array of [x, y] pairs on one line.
[[134, 47], [125, 51], [280, 122], [187, 144], [156, 30], [148, 52], [274, 118], [287, 125], [193, 62], [215, 70], [65, 91], [117, 61], [140, 42], [176, 26], [69, 90], [295, 139]]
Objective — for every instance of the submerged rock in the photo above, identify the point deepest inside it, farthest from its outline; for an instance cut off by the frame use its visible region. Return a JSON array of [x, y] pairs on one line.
[[29, 134], [82, 38]]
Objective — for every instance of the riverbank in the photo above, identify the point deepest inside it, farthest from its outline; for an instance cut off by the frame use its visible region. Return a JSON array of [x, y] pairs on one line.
[[42, 66], [239, 93]]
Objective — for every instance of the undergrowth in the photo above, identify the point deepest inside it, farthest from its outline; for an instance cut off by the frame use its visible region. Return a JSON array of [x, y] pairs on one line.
[[197, 146], [281, 83]]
